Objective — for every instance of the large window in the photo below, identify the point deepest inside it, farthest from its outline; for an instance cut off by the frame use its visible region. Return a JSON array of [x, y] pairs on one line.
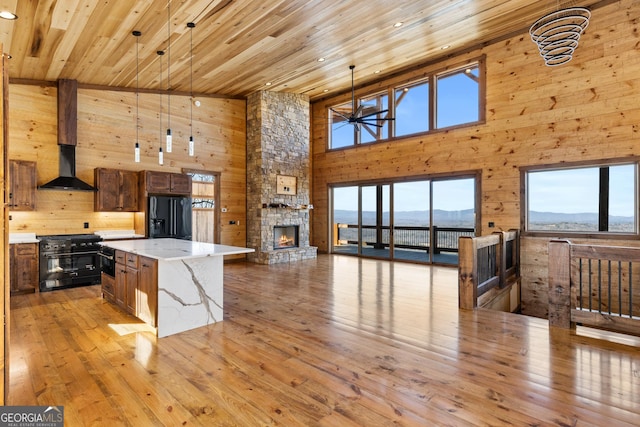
[[586, 199], [446, 99]]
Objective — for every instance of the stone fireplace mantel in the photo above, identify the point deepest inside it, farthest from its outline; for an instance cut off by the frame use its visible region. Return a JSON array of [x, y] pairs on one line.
[[278, 146]]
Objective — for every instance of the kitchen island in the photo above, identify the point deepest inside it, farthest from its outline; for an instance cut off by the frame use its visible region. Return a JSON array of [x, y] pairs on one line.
[[189, 285]]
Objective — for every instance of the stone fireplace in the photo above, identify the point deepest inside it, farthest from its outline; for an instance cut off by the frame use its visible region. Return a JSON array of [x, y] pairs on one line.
[[278, 169]]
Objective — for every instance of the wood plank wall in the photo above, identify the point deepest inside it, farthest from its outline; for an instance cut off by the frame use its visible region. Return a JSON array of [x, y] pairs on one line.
[[588, 109], [106, 137]]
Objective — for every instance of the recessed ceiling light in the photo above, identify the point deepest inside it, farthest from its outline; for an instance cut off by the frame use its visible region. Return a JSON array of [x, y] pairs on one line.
[[268, 84], [5, 14], [377, 72], [326, 90], [445, 47], [398, 24], [320, 59]]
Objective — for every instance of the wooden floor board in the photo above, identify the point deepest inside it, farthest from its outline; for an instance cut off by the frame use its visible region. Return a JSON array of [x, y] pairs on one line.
[[337, 341]]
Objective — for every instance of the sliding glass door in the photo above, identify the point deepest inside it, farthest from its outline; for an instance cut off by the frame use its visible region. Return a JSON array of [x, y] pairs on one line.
[[375, 222], [453, 202], [418, 221], [411, 216]]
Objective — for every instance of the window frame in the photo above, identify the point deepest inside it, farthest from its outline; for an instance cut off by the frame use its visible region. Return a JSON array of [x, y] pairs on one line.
[[616, 235], [390, 91]]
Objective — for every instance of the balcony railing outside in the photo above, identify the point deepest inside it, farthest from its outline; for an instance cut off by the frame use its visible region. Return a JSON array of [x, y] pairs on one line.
[[406, 237]]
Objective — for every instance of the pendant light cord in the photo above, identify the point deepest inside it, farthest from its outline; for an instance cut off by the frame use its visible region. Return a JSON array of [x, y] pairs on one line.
[[160, 53], [168, 64], [191, 26]]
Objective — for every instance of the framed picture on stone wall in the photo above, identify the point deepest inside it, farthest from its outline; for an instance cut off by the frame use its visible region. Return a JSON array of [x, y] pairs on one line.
[[286, 184]]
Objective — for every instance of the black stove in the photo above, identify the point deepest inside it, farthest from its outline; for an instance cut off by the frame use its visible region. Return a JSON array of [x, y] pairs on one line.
[[69, 260]]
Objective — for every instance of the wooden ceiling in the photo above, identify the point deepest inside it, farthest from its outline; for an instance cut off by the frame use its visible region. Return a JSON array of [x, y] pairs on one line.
[[241, 45]]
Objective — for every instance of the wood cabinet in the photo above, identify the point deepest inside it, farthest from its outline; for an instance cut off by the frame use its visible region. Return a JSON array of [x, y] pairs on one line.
[[126, 281], [22, 185], [147, 299], [108, 288], [135, 286], [117, 190], [23, 268], [167, 183], [132, 284]]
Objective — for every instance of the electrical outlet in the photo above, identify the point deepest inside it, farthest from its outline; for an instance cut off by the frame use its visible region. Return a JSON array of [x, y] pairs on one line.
[[232, 222], [491, 224], [86, 225]]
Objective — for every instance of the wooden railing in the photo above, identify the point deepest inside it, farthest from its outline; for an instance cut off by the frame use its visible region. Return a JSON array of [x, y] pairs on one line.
[[594, 286], [489, 271], [407, 237]]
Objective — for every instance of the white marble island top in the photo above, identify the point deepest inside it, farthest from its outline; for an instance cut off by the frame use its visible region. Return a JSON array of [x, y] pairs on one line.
[[189, 280], [174, 249]]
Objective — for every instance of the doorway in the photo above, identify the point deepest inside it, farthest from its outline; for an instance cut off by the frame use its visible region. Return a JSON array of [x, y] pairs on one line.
[[205, 201]]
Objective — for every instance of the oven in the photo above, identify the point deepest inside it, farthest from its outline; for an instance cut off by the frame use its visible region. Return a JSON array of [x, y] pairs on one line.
[[108, 261], [68, 261]]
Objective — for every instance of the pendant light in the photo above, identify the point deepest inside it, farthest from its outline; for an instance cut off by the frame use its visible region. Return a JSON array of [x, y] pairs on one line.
[[191, 26], [160, 153], [136, 151], [169, 142]]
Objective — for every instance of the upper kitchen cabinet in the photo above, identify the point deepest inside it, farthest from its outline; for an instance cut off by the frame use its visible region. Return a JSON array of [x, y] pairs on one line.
[[22, 185], [167, 183], [117, 190]]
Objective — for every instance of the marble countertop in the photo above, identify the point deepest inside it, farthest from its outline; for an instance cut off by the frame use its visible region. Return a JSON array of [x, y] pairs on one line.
[[23, 238], [174, 249]]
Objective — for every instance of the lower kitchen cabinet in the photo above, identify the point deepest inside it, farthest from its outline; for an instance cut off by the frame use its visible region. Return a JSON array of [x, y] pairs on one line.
[[135, 287], [108, 288], [23, 268], [126, 281], [148, 290]]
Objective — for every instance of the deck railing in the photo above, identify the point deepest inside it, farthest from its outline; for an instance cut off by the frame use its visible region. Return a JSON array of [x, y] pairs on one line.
[[595, 286], [489, 272], [406, 237]]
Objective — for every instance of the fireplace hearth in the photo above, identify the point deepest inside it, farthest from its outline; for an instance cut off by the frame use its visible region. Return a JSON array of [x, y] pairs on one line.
[[285, 236]]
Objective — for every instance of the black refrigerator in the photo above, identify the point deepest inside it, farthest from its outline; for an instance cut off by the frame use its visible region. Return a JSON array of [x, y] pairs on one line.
[[170, 216]]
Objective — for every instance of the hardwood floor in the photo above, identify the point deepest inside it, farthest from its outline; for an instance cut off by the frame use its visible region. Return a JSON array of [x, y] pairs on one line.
[[337, 341]]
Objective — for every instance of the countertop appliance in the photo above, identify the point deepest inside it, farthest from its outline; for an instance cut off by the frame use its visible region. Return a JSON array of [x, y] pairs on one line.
[[69, 260], [170, 216]]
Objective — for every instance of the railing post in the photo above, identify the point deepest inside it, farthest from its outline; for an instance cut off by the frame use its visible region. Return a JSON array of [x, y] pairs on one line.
[[501, 255], [467, 273], [560, 284]]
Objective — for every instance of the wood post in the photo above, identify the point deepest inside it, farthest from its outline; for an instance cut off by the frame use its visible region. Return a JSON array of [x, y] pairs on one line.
[[467, 273], [560, 284]]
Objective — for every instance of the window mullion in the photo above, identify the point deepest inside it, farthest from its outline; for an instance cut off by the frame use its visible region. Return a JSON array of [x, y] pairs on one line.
[[603, 200]]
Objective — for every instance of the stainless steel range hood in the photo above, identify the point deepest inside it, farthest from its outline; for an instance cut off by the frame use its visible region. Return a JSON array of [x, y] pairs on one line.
[[67, 139], [67, 171]]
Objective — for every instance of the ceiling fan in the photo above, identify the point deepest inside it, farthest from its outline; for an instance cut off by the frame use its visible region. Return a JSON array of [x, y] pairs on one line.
[[357, 118]]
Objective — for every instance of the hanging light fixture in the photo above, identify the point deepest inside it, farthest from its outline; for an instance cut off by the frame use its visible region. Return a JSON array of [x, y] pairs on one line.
[[191, 26], [557, 34], [136, 150], [169, 142], [160, 153]]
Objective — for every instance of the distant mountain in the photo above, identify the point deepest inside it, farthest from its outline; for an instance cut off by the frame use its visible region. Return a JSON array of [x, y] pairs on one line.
[[466, 218], [580, 218]]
